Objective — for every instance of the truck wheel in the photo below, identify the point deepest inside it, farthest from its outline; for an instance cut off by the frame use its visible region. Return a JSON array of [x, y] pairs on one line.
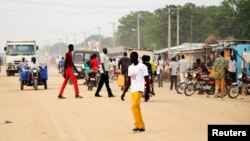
[[35, 84], [45, 84], [8, 73], [21, 84]]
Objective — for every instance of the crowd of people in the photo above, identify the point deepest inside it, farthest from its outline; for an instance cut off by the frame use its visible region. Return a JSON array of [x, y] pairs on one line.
[[140, 76]]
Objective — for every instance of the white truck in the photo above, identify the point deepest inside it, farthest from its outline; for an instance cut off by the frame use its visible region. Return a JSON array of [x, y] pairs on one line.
[[15, 51]]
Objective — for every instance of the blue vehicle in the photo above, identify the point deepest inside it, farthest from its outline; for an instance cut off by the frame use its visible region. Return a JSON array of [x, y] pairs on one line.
[[34, 77]]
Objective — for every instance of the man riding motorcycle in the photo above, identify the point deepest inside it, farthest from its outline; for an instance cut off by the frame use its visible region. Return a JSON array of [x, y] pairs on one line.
[[32, 65], [94, 64]]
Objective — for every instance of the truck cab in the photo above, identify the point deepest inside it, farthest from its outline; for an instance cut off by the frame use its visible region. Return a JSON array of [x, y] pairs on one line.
[[15, 51]]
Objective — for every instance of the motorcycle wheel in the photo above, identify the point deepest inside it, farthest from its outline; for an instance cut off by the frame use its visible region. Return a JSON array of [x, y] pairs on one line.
[[180, 87], [234, 91], [35, 84], [212, 90], [189, 89], [45, 84], [21, 84], [90, 86]]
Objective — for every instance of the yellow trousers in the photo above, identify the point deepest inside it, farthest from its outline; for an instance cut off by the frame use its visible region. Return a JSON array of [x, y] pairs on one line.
[[220, 85], [136, 110]]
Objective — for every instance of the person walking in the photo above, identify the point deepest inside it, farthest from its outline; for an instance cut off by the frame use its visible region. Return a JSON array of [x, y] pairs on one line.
[[104, 74], [146, 61], [173, 67], [220, 66], [111, 70], [23, 64], [137, 76], [123, 64], [159, 71], [61, 64], [183, 66], [69, 73]]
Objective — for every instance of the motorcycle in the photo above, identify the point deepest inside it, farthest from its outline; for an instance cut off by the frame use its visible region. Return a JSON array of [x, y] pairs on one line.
[[242, 85], [181, 86], [203, 83], [34, 77], [92, 81]]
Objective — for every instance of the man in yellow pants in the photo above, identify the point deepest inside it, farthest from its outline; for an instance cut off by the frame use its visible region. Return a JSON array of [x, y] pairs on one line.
[[137, 76]]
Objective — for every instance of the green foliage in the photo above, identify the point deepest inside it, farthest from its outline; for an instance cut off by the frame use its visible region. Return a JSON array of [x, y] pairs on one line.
[[231, 18]]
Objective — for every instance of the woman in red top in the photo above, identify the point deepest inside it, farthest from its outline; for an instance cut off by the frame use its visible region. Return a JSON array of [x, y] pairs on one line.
[[94, 63], [94, 66]]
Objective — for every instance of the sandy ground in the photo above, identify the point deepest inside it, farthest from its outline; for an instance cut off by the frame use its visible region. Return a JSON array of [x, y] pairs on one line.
[[40, 116]]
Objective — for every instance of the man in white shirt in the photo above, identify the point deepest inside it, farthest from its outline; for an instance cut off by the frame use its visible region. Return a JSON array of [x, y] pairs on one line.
[[159, 71], [137, 76], [231, 69], [183, 66], [104, 74], [33, 64], [173, 66]]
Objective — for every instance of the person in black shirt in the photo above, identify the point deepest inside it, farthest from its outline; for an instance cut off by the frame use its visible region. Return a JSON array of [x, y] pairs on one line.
[[123, 64]]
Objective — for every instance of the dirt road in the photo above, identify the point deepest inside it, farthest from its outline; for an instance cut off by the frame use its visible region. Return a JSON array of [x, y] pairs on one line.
[[40, 116]]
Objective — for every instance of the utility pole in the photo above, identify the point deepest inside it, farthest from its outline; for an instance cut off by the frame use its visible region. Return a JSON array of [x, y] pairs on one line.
[[74, 39], [178, 29], [99, 37], [138, 32], [60, 51], [54, 50], [113, 24], [169, 31], [84, 39], [99, 34], [191, 38], [66, 40]]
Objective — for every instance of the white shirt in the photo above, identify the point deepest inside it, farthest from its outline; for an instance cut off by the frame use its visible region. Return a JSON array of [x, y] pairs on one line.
[[137, 73], [57, 61], [174, 67], [105, 60], [160, 65], [183, 65], [231, 65], [111, 66], [32, 65]]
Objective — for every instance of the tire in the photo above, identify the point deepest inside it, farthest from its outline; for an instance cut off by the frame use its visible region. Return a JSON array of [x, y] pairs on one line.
[[180, 87], [234, 91], [21, 84], [189, 89], [45, 84], [90, 86], [35, 84], [8, 73]]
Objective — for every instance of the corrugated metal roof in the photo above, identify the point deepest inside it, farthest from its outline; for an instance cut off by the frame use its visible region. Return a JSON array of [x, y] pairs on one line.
[[182, 47]]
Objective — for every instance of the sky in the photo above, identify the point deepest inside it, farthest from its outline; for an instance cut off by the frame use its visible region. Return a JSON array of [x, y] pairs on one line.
[[49, 21]]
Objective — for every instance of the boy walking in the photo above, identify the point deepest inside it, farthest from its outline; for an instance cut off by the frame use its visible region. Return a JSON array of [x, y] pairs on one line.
[[137, 75]]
